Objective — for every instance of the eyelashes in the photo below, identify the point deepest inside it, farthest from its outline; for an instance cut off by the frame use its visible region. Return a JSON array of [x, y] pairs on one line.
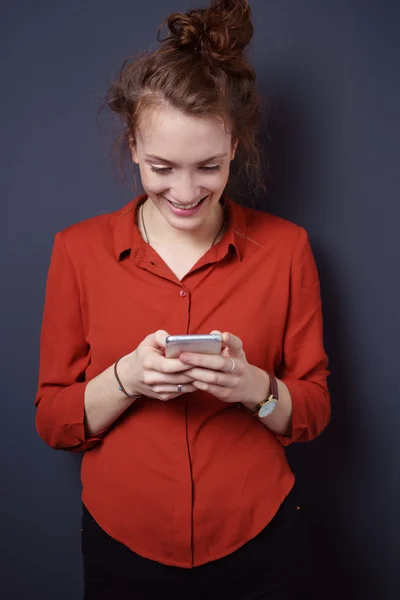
[[167, 170]]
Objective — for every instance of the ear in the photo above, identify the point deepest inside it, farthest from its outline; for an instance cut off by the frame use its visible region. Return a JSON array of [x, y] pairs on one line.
[[132, 148], [234, 148]]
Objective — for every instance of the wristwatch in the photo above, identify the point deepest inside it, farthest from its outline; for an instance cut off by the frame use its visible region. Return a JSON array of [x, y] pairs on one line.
[[268, 405]]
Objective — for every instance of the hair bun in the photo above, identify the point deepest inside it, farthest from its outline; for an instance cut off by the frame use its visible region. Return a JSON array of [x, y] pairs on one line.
[[186, 30], [220, 32]]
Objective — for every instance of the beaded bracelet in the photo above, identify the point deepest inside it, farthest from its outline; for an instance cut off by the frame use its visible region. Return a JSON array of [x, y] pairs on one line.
[[120, 386]]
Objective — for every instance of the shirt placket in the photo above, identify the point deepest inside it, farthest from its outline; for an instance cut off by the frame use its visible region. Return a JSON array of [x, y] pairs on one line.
[[181, 525]]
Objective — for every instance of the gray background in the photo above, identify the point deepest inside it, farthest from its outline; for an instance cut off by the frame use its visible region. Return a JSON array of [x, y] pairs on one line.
[[332, 70]]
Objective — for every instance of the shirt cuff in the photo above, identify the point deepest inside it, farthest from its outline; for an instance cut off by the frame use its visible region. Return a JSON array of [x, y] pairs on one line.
[[310, 411], [60, 419]]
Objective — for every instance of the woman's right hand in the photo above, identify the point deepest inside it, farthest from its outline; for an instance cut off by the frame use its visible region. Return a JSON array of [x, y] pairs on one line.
[[146, 371]]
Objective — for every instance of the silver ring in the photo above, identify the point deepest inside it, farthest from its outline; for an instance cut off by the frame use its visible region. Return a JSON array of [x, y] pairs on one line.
[[180, 389], [233, 365]]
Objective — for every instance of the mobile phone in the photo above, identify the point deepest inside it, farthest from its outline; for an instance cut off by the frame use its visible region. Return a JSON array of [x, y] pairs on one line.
[[199, 344]]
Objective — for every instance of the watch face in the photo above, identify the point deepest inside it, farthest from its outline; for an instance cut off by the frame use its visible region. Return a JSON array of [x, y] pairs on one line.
[[267, 408]]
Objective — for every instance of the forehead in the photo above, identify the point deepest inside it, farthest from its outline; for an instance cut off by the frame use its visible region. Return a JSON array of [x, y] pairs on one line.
[[180, 138]]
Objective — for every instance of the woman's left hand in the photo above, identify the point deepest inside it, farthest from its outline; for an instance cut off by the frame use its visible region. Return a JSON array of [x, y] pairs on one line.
[[227, 376]]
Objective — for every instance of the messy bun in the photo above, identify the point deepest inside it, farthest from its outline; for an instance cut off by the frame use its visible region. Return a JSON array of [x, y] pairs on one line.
[[200, 68], [220, 33]]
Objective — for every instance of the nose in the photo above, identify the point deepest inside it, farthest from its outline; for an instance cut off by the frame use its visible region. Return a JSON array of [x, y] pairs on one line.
[[184, 189]]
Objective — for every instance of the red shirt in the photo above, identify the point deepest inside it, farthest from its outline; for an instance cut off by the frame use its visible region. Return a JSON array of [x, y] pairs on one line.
[[188, 481]]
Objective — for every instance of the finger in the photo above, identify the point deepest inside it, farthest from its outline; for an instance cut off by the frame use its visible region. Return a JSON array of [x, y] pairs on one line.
[[160, 337], [218, 332], [151, 378], [156, 362], [156, 339], [212, 362], [215, 362], [216, 390], [232, 342], [173, 389], [213, 377]]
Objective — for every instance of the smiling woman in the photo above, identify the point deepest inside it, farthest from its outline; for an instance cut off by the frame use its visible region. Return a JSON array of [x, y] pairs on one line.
[[185, 186], [186, 488]]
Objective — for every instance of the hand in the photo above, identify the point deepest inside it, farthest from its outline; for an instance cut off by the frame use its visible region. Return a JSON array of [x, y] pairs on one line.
[[227, 376], [147, 372]]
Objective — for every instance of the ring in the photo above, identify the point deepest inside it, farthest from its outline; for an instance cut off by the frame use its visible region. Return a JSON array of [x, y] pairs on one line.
[[233, 365], [179, 389]]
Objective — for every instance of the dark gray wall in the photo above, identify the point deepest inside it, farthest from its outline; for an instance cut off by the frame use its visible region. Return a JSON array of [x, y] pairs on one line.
[[332, 69]]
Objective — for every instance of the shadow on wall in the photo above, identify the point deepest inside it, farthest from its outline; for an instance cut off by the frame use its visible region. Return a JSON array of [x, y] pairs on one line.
[[327, 463], [280, 160]]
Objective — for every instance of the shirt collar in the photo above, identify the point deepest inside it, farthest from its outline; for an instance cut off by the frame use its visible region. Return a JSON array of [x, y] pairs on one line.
[[127, 237]]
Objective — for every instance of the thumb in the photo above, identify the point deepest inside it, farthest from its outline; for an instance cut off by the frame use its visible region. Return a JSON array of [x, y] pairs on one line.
[[156, 340], [233, 344]]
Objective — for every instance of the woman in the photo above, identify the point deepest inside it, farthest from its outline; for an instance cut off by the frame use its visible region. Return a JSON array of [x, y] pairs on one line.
[[187, 492]]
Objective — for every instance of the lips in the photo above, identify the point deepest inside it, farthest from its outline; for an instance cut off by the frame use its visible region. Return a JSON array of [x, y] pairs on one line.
[[187, 206]]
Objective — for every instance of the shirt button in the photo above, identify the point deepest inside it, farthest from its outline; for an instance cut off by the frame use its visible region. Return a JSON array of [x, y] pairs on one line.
[[183, 293]]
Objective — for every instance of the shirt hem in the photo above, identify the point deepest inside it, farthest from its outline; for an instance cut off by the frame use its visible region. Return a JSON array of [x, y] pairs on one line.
[[205, 560]]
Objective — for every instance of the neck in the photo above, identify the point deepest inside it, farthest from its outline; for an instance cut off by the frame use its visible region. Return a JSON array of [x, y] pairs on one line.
[[160, 232]]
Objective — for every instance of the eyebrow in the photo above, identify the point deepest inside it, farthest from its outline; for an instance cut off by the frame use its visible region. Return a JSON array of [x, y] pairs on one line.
[[153, 157]]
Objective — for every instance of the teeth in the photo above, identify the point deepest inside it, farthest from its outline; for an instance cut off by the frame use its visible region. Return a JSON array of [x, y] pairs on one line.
[[187, 207]]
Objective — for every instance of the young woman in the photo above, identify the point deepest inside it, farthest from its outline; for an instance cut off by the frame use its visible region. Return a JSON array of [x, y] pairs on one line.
[[187, 492]]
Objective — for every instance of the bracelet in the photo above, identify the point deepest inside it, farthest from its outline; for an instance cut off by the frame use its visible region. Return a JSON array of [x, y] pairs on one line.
[[120, 386]]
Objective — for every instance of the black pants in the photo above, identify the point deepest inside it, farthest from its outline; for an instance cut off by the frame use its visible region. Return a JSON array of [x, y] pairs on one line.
[[272, 566]]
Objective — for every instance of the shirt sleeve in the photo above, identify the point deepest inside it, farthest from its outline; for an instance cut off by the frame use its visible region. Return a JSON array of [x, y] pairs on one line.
[[64, 357], [304, 366]]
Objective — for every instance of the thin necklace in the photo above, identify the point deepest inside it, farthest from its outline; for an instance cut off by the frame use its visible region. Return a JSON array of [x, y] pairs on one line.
[[147, 237]]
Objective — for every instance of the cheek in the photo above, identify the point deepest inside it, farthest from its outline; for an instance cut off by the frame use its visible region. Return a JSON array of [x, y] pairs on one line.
[[219, 185], [222, 178], [215, 182], [151, 182]]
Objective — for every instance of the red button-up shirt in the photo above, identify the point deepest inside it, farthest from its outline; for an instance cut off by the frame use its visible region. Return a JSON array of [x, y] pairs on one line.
[[191, 480]]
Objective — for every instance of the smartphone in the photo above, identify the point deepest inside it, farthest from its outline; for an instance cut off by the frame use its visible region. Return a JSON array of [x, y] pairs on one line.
[[200, 344]]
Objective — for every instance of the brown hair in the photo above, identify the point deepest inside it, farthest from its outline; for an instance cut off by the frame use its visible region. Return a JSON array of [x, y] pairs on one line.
[[199, 69]]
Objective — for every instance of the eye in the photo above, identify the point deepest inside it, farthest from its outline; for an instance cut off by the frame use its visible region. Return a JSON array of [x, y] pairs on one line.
[[213, 168], [160, 170], [166, 170]]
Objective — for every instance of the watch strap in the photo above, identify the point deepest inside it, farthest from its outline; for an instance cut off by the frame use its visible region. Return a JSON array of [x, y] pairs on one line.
[[273, 387], [273, 394]]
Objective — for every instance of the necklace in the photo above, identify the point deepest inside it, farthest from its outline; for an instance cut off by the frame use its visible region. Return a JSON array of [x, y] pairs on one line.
[[147, 237]]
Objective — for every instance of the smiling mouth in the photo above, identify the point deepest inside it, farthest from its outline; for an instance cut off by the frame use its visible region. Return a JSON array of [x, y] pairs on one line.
[[187, 206]]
